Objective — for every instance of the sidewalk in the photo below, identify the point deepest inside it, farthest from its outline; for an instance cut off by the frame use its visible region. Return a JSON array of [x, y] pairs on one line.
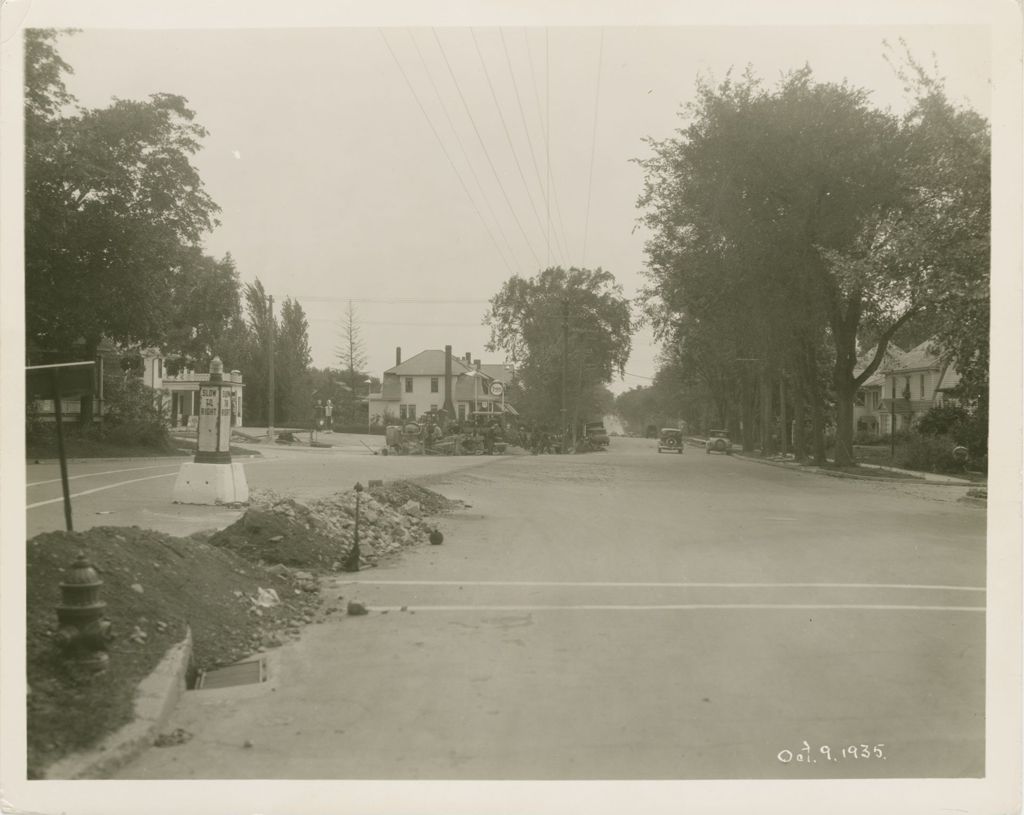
[[791, 463]]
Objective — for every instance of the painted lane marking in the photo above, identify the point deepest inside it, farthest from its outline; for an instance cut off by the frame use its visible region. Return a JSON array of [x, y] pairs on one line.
[[684, 607], [101, 489], [599, 584], [105, 472]]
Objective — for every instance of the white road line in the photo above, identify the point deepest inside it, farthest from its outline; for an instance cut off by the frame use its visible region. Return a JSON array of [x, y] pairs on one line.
[[598, 584], [104, 472], [683, 607], [101, 489]]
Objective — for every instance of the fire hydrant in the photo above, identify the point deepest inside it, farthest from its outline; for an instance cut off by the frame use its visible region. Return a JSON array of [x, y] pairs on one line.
[[83, 634]]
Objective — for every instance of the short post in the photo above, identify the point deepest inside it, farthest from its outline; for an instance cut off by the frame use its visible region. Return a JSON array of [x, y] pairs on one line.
[[83, 633], [352, 561]]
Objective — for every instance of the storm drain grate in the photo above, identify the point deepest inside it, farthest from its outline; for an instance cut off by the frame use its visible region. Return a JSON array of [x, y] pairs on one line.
[[250, 672]]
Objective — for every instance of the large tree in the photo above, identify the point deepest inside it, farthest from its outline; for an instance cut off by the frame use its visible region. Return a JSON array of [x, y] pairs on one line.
[[114, 210], [819, 216], [568, 331]]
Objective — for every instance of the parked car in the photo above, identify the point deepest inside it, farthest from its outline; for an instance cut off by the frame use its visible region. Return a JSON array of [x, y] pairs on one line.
[[718, 440], [671, 439]]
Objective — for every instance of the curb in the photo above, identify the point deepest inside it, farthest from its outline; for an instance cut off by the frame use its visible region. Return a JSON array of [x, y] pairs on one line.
[[155, 699], [811, 470]]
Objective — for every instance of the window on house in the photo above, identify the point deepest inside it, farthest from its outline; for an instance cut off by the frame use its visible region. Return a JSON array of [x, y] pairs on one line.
[[433, 408], [462, 412], [402, 412], [408, 384], [860, 399], [922, 385], [160, 368], [434, 384], [412, 412]]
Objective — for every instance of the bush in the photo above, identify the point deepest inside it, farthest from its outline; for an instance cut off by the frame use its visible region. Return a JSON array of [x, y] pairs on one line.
[[943, 420], [133, 416], [931, 453]]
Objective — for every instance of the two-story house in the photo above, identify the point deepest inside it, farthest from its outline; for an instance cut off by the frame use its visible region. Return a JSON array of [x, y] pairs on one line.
[[421, 384], [904, 387]]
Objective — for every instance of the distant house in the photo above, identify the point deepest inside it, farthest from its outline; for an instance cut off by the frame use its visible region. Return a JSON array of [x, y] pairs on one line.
[[177, 395], [416, 386], [906, 385]]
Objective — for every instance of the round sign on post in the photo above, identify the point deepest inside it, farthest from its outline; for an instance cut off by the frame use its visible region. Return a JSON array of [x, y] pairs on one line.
[[497, 389]]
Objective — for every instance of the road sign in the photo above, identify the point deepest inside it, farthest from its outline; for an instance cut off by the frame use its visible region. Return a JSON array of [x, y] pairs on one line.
[[497, 389], [76, 379]]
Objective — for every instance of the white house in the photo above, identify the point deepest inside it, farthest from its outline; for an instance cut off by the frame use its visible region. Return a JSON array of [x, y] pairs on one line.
[[418, 386], [906, 386]]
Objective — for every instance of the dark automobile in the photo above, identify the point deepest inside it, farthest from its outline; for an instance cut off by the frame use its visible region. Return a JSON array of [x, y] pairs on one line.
[[670, 438], [596, 434]]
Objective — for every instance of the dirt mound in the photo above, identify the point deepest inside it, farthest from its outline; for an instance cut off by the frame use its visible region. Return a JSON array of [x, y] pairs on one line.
[[396, 494], [319, 534], [154, 586]]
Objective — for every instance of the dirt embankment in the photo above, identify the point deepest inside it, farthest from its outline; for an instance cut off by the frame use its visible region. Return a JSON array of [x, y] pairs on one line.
[[241, 590]]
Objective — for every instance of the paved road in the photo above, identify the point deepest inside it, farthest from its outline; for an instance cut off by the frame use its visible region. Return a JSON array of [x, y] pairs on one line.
[[628, 616]]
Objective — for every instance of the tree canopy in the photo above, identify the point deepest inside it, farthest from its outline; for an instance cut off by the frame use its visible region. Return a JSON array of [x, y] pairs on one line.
[[562, 327], [797, 224], [114, 211]]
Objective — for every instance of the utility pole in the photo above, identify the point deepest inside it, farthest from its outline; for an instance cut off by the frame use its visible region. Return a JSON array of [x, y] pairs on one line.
[[270, 370], [565, 364]]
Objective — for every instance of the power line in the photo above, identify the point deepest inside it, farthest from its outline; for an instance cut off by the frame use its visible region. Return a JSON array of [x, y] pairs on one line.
[[323, 298], [593, 147], [444, 150], [559, 238], [465, 153], [504, 125], [483, 146], [541, 116]]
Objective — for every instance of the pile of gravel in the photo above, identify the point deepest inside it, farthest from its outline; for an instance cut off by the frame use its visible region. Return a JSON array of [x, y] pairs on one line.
[[398, 493], [319, 534]]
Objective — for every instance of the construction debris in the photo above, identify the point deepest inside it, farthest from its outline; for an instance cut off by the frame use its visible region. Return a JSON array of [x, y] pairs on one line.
[[319, 535]]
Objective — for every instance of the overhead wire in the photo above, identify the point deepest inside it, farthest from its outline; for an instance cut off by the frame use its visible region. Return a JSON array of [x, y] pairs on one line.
[[483, 146], [504, 125], [560, 238], [462, 147], [593, 148], [541, 116], [437, 136]]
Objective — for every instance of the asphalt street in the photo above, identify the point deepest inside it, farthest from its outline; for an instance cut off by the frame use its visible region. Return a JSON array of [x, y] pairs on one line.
[[619, 615]]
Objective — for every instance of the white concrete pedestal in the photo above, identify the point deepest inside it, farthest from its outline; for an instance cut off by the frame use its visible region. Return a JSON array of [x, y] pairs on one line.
[[211, 484]]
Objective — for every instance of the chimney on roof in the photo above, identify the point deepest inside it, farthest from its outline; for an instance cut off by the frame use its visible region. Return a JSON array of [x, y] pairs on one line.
[[469, 358], [449, 405], [398, 355], [476, 364]]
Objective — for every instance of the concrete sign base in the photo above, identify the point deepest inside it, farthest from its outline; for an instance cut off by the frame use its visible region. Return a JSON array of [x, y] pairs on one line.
[[211, 484]]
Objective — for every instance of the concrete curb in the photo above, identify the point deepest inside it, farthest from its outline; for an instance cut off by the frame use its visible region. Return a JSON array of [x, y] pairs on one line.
[[155, 699], [812, 470]]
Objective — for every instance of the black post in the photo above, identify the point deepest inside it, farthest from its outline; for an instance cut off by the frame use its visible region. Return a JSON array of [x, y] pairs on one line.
[[55, 381], [352, 562]]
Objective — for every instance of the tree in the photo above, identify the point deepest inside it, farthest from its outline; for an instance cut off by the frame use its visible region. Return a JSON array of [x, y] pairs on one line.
[[568, 331], [351, 353], [112, 206], [816, 217], [293, 391]]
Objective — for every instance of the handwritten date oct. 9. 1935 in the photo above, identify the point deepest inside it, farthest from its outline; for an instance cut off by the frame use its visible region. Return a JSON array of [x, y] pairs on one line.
[[848, 752]]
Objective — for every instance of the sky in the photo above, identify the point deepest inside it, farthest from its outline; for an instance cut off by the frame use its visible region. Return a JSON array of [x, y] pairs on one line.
[[406, 168]]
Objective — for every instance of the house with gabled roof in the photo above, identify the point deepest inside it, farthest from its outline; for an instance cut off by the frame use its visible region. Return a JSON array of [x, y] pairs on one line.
[[906, 385], [435, 380]]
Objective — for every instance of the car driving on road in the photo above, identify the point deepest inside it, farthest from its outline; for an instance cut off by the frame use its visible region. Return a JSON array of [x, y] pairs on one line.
[[670, 438]]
